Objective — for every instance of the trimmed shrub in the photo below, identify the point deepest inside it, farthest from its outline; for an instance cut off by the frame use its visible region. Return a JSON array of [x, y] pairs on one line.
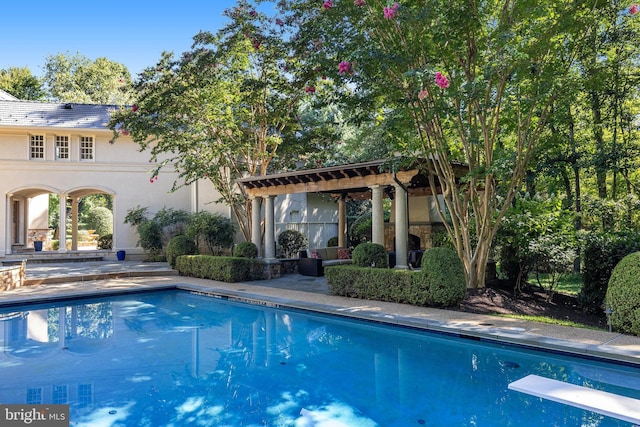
[[370, 255], [600, 254], [105, 242], [180, 245], [222, 268], [444, 274], [291, 241], [623, 295], [101, 220], [375, 283], [332, 241], [246, 250], [213, 230]]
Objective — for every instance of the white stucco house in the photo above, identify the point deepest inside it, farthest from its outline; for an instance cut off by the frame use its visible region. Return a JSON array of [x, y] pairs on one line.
[[67, 150]]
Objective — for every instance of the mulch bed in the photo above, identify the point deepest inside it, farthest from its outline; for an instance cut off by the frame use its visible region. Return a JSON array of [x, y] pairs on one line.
[[499, 298]]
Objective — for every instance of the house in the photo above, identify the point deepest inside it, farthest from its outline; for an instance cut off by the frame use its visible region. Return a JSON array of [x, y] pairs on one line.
[[66, 150]]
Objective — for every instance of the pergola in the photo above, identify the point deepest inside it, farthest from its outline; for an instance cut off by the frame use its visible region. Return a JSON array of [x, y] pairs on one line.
[[368, 180]]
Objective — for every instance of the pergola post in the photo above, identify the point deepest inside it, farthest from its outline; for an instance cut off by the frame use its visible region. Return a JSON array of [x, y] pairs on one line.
[[402, 228], [256, 231], [269, 228], [342, 222], [377, 215]]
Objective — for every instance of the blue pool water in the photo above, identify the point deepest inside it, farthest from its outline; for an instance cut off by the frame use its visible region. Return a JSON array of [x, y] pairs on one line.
[[175, 358]]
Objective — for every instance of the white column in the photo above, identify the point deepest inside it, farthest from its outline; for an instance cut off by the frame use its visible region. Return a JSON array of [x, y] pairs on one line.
[[377, 215], [8, 226], [74, 223], [62, 225], [256, 230], [342, 222], [269, 228], [402, 228]]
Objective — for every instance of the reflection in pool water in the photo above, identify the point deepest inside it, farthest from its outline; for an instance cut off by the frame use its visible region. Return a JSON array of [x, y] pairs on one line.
[[175, 358]]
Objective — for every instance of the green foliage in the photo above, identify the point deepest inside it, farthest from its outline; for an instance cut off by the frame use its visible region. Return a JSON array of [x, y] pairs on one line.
[[401, 286], [360, 231], [246, 250], [75, 78], [150, 234], [136, 216], [623, 295], [100, 219], [105, 241], [220, 110], [601, 252], [370, 255], [443, 271], [291, 241], [554, 256], [525, 223], [225, 269], [20, 83], [212, 229], [180, 245]]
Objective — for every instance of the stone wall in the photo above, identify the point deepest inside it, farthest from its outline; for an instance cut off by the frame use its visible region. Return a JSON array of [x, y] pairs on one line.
[[12, 277]]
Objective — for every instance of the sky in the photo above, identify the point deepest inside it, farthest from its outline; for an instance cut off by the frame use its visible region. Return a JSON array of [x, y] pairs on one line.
[[131, 32]]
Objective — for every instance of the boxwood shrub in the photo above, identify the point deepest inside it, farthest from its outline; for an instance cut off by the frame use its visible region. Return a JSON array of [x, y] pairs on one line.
[[444, 272], [370, 255], [222, 268], [623, 295], [402, 286], [180, 245]]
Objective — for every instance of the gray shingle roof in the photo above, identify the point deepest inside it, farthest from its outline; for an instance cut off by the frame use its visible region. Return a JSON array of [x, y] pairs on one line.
[[16, 113]]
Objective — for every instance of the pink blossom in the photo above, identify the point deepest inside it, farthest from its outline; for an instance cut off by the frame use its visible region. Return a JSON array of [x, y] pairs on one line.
[[359, 2], [310, 89], [441, 80], [634, 9], [134, 108], [124, 132], [390, 12], [328, 4], [279, 22], [422, 94], [344, 67], [252, 13]]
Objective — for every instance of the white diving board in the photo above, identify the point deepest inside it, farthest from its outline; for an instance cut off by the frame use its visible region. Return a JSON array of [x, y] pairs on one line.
[[609, 404]]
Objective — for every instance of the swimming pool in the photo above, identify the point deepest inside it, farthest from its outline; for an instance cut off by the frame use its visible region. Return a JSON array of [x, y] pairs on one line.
[[174, 358]]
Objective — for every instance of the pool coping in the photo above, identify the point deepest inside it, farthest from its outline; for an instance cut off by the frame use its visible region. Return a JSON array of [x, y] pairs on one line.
[[560, 339]]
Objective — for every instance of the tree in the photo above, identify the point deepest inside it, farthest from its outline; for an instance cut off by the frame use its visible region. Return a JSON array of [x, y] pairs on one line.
[[75, 78], [20, 83], [476, 79], [221, 110]]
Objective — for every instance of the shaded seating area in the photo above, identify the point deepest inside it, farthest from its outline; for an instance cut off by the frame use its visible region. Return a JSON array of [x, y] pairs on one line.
[[373, 180]]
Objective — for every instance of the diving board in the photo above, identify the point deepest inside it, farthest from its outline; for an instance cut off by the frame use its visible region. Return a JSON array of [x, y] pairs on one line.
[[609, 404]]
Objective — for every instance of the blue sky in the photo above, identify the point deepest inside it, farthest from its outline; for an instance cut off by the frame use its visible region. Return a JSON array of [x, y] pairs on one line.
[[132, 32]]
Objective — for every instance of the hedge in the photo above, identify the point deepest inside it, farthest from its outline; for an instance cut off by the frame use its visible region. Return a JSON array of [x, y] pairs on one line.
[[402, 286], [222, 268]]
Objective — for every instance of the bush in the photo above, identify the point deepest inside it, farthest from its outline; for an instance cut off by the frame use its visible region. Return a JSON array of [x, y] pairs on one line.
[[601, 252], [150, 234], [623, 295], [224, 269], [180, 245], [101, 220], [105, 242], [291, 241], [246, 250], [213, 230], [370, 255], [332, 241], [443, 272]]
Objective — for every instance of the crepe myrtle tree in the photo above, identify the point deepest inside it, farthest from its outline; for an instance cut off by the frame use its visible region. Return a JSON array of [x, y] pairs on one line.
[[221, 110], [475, 79]]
